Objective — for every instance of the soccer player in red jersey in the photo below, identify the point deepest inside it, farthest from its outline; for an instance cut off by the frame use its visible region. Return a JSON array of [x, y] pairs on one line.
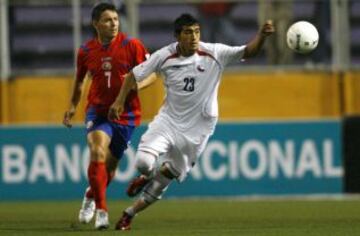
[[106, 58]]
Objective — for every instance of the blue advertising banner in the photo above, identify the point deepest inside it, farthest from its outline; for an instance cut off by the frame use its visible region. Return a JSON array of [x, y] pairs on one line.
[[260, 158]]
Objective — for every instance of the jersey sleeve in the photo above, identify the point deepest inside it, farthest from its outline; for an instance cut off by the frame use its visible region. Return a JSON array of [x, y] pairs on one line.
[[81, 67], [228, 54], [147, 67], [139, 51]]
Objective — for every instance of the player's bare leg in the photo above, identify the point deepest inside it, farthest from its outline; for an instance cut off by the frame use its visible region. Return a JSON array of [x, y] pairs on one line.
[[152, 193], [111, 166]]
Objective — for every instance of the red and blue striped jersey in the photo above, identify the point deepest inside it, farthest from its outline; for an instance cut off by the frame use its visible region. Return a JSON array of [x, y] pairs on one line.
[[107, 65]]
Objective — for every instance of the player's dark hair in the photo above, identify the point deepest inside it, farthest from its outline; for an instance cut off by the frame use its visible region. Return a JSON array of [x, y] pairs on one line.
[[99, 8], [184, 20]]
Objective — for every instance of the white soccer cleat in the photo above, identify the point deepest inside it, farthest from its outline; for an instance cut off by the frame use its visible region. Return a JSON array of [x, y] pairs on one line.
[[87, 210], [101, 219]]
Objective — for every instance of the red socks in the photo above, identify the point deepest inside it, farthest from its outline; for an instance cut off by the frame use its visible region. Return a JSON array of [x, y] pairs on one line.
[[90, 194], [98, 179]]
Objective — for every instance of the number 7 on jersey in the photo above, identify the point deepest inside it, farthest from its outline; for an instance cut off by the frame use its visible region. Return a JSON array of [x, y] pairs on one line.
[[108, 77]]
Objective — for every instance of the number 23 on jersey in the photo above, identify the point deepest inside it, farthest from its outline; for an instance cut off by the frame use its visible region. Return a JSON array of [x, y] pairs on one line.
[[189, 84]]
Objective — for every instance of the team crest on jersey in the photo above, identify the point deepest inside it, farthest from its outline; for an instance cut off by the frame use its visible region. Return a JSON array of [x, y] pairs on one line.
[[106, 65], [200, 68]]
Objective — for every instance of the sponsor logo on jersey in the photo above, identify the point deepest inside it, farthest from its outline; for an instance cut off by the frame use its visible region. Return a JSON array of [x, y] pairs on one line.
[[178, 66], [106, 59]]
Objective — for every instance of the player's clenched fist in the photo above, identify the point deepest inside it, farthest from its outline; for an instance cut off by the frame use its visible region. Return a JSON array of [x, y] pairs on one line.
[[67, 118], [114, 111], [268, 28]]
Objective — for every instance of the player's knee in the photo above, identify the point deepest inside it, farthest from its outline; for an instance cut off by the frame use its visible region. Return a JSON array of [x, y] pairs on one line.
[[155, 189], [97, 153], [145, 162]]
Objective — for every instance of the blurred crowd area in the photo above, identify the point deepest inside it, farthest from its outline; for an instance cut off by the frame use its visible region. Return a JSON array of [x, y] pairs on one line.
[[41, 35]]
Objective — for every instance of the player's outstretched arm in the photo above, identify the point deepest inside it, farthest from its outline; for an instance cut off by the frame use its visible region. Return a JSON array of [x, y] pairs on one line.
[[75, 99], [118, 105], [255, 45], [147, 82]]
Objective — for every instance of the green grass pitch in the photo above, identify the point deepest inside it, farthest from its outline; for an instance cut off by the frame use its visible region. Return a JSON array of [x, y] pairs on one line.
[[192, 217]]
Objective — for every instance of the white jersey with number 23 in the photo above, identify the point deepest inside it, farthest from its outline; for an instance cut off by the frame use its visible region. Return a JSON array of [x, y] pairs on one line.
[[190, 110], [192, 82]]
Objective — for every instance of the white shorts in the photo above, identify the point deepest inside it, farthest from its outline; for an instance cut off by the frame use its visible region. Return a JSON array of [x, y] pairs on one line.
[[181, 149]]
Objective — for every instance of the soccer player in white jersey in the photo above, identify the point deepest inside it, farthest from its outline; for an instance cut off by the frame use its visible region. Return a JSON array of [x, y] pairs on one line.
[[192, 71]]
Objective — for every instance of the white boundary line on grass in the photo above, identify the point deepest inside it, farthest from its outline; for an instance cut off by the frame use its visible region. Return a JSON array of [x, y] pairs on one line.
[[299, 197]]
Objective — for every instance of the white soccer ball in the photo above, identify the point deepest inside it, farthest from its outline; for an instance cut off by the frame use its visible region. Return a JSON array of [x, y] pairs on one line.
[[302, 37]]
